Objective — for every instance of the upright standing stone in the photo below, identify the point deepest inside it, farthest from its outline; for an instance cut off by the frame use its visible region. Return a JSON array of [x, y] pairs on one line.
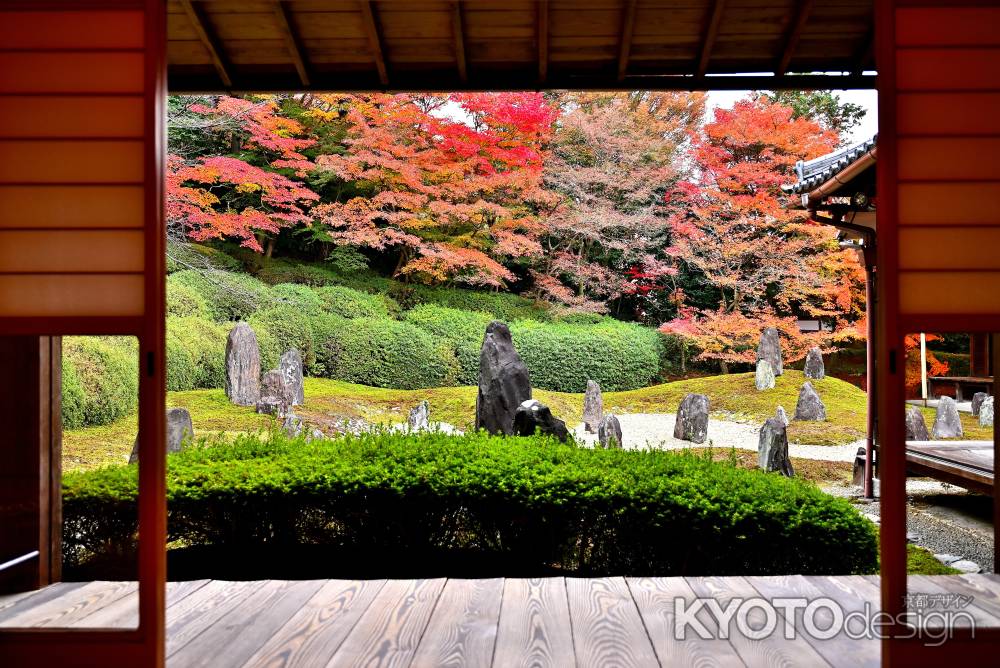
[[772, 448], [242, 366], [503, 381], [275, 398], [781, 415], [290, 368], [986, 413], [947, 423], [814, 367], [769, 349], [692, 419], [532, 416], [764, 378], [593, 407], [609, 432], [420, 416], [977, 400], [809, 406], [179, 429], [916, 427]]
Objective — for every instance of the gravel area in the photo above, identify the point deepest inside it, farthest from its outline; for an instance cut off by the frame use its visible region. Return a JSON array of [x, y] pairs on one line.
[[655, 431]]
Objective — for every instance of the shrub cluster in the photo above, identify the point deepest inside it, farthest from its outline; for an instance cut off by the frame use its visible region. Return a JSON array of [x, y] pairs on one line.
[[463, 330], [560, 356], [228, 296], [533, 503], [100, 379]]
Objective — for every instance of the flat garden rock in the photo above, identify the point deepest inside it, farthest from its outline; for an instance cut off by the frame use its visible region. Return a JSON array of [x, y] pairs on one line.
[[503, 381], [593, 406], [947, 423], [986, 413], [814, 367], [764, 377], [179, 430], [772, 449], [769, 349], [420, 416], [242, 366], [609, 432], [809, 407], [532, 415], [290, 368], [977, 400], [692, 419], [916, 427], [292, 425]]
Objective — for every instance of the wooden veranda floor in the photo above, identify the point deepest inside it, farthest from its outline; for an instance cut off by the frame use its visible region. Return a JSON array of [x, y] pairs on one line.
[[512, 622], [968, 464]]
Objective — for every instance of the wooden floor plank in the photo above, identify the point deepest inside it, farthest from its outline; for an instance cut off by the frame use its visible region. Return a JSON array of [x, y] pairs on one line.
[[188, 618], [316, 631], [18, 603], [72, 605], [656, 599], [980, 610], [985, 590], [841, 649], [607, 628], [261, 614], [124, 613], [534, 628], [389, 631], [463, 628], [773, 650]]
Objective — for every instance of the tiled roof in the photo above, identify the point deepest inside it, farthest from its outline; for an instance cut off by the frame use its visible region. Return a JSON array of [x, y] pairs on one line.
[[815, 172]]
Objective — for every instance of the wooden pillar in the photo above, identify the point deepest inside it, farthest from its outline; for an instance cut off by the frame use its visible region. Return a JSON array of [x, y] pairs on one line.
[[30, 499], [979, 355]]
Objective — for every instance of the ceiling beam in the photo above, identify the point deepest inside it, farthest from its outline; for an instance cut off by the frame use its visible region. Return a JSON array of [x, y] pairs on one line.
[[459, 32], [542, 30], [374, 40], [196, 16], [625, 46], [291, 40], [793, 36], [708, 38], [865, 55]]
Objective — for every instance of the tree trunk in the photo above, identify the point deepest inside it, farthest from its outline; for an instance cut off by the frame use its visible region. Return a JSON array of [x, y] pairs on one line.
[[724, 367], [269, 251]]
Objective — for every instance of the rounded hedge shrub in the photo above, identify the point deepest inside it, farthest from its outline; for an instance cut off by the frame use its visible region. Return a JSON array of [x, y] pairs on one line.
[[183, 255], [73, 396], [501, 305], [204, 342], [562, 357], [228, 296], [300, 296], [280, 327], [183, 300], [464, 330], [181, 369], [531, 502], [106, 371], [387, 353], [350, 303]]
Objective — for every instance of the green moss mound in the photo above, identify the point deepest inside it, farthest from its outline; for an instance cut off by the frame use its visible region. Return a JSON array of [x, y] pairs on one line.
[[531, 503]]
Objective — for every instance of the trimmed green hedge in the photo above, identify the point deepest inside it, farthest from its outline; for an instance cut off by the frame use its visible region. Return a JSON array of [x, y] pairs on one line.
[[535, 504], [186, 255], [204, 343], [562, 357], [183, 300], [350, 303], [464, 330], [228, 296], [386, 353], [100, 379], [280, 327]]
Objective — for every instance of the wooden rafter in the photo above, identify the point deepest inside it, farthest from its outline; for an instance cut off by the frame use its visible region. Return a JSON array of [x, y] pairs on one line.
[[196, 16], [542, 30], [625, 46], [459, 32], [708, 39], [374, 41], [865, 54], [291, 40], [793, 36]]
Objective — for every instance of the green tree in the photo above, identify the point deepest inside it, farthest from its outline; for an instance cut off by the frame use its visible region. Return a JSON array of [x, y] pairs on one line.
[[822, 106]]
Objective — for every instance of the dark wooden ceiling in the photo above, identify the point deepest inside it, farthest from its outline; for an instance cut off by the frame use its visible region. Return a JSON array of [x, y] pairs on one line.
[[272, 45]]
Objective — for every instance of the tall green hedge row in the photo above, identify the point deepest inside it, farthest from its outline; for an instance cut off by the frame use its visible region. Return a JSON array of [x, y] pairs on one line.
[[534, 503], [100, 380]]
